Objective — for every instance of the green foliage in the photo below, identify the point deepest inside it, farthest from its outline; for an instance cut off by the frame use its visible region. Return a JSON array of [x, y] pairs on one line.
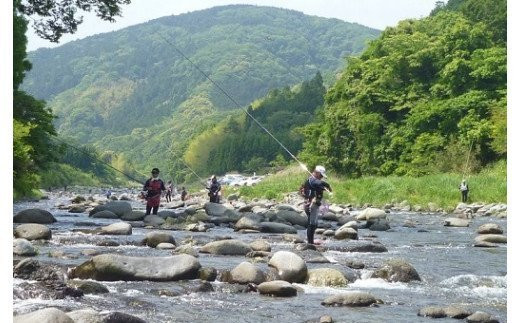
[[239, 144], [130, 92], [417, 94]]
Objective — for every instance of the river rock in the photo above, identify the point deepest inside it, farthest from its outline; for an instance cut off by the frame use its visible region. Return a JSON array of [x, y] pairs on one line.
[[490, 228], [290, 266], [483, 244], [378, 225], [226, 247], [120, 208], [396, 270], [32, 231], [22, 247], [105, 214], [285, 207], [480, 317], [246, 273], [457, 312], [154, 238], [88, 286], [278, 288], [78, 199], [328, 233], [313, 256], [292, 238], [274, 227], [113, 267], [249, 221], [305, 246], [76, 209], [260, 245], [360, 246], [326, 277], [208, 273], [46, 315], [134, 216], [119, 317], [292, 217], [346, 233], [187, 249], [432, 311], [168, 214], [154, 220], [34, 216], [118, 228], [165, 246], [353, 299], [371, 214], [329, 216], [456, 222], [214, 209], [493, 238], [86, 316]]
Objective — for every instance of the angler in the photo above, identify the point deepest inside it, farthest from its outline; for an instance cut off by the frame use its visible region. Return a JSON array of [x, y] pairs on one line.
[[154, 187], [214, 190]]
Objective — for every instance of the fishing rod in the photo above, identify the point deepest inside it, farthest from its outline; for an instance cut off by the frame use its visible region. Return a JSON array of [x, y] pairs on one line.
[[464, 170], [99, 160], [302, 165]]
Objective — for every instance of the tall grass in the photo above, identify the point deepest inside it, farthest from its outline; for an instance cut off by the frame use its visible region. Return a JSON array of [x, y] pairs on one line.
[[442, 189]]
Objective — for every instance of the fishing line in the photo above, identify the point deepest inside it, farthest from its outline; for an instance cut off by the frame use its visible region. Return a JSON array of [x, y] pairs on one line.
[[302, 165], [467, 159]]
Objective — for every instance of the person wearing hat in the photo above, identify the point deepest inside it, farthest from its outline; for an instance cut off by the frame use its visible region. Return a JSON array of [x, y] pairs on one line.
[[154, 187], [312, 191], [214, 189]]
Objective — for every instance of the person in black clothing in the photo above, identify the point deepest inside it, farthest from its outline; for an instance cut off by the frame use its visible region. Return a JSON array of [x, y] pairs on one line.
[[464, 190], [312, 191], [169, 188], [184, 194], [214, 189], [154, 187]]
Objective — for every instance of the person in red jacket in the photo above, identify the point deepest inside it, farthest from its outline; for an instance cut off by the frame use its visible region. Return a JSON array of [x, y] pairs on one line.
[[154, 187]]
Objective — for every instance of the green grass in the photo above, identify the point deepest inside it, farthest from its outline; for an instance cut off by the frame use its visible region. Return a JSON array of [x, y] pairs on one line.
[[442, 189]]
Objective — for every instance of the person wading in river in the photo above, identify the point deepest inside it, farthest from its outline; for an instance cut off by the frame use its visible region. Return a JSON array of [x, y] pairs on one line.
[[312, 191], [169, 188], [154, 187], [464, 190], [214, 190]]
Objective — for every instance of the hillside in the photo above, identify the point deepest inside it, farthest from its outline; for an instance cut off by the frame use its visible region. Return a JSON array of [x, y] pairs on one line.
[[130, 92]]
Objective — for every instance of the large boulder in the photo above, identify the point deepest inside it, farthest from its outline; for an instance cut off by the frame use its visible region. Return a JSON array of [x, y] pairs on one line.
[[215, 209], [154, 238], [353, 299], [249, 221], [279, 288], [246, 273], [153, 220], [371, 214], [112, 267], [326, 277], [290, 266], [493, 238], [456, 222], [120, 208], [32, 231], [46, 315], [134, 216], [34, 216], [226, 247], [274, 227], [22, 247], [105, 214], [396, 270], [118, 228], [292, 217], [490, 228]]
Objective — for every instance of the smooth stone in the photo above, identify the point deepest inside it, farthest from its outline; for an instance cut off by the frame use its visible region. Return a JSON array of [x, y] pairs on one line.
[[490, 228], [119, 317], [226, 247], [480, 317], [111, 267], [313, 257], [32, 231], [260, 245], [187, 249], [207, 274], [274, 227], [353, 299], [165, 245], [246, 273], [105, 214], [328, 233], [120, 208], [457, 312], [34, 216], [134, 216], [153, 220], [361, 246], [290, 266], [354, 264], [88, 286], [396, 270], [326, 277], [293, 217], [46, 315], [493, 238], [249, 221], [85, 316], [432, 311], [456, 222], [154, 238], [278, 288], [346, 233], [118, 228], [292, 238], [215, 209], [22, 247], [379, 225], [371, 214]]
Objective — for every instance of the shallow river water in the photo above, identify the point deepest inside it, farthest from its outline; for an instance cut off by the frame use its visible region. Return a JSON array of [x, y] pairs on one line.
[[453, 272]]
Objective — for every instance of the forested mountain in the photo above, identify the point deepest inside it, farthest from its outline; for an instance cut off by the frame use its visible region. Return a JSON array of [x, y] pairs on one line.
[[421, 98], [130, 92]]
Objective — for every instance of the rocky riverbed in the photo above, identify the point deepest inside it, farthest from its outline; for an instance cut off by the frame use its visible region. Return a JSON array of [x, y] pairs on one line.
[[81, 258]]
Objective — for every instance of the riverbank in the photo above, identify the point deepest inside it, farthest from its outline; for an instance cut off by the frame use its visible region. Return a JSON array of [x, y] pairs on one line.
[[488, 186]]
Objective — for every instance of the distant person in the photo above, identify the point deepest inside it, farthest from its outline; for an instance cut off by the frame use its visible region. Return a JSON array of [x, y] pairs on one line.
[[109, 193], [184, 194], [464, 190], [312, 191], [169, 191], [214, 190], [154, 187]]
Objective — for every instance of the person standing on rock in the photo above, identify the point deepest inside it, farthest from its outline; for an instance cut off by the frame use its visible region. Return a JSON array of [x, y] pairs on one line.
[[214, 190], [154, 187], [312, 191], [464, 190], [184, 194], [169, 191]]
